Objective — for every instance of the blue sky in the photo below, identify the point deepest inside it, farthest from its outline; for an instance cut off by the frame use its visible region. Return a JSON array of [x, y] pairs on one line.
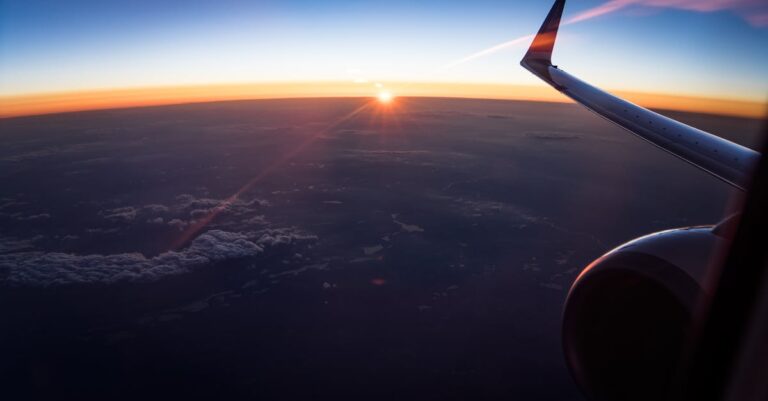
[[673, 46]]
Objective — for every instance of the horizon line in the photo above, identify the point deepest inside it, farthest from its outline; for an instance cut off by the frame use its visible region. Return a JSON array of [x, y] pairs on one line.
[[27, 105]]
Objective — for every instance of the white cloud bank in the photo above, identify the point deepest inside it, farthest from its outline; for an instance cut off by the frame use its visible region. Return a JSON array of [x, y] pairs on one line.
[[54, 268]]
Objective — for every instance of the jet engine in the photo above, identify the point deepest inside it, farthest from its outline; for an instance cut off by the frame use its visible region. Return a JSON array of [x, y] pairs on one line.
[[628, 314]]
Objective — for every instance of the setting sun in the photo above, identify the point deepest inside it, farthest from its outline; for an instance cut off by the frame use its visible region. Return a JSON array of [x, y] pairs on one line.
[[385, 97]]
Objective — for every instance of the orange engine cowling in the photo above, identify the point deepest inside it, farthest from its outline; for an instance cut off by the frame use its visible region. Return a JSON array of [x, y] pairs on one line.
[[628, 314]]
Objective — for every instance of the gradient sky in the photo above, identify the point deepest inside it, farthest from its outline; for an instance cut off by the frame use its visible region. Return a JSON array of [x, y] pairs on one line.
[[713, 48]]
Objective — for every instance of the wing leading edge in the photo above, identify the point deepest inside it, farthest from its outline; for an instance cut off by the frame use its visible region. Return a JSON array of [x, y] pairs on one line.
[[724, 159]]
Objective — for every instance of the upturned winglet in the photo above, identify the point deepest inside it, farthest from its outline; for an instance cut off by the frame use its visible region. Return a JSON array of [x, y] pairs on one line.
[[544, 42], [538, 59]]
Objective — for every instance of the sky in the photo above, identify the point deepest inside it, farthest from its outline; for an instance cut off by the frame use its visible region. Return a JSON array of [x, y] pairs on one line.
[[688, 48]]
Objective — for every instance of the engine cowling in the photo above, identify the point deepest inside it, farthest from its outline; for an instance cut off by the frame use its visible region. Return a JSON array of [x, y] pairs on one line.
[[628, 314]]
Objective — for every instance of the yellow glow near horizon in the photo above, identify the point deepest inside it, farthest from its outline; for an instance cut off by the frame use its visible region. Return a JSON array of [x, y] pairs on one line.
[[48, 103]]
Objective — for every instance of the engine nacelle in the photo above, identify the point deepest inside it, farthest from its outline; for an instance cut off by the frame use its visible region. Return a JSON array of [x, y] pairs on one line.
[[628, 313]]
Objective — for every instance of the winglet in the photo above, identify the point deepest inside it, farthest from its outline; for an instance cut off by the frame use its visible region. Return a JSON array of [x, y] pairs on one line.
[[539, 55]]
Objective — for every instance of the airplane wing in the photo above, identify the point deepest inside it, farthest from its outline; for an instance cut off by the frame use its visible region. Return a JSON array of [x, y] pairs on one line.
[[725, 160]]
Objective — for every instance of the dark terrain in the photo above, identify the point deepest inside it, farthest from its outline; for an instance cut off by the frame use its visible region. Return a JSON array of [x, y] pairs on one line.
[[421, 250]]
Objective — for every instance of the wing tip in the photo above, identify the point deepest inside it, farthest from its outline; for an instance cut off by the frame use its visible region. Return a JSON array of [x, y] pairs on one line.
[[544, 41]]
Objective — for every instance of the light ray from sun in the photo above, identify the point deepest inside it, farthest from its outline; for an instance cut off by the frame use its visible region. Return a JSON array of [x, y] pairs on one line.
[[194, 229]]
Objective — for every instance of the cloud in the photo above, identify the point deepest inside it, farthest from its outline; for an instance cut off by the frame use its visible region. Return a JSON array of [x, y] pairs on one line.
[[156, 208], [125, 214], [14, 245], [411, 228], [178, 223], [280, 236], [187, 201], [370, 250], [121, 213], [8, 203], [47, 269], [55, 268], [102, 230], [197, 213], [255, 221], [186, 211], [296, 272], [41, 216], [203, 206]]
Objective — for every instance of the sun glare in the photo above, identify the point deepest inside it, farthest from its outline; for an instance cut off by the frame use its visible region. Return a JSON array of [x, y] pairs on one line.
[[385, 97]]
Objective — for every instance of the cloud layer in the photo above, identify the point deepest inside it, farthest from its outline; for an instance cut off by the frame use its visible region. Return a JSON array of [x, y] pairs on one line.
[[55, 268]]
